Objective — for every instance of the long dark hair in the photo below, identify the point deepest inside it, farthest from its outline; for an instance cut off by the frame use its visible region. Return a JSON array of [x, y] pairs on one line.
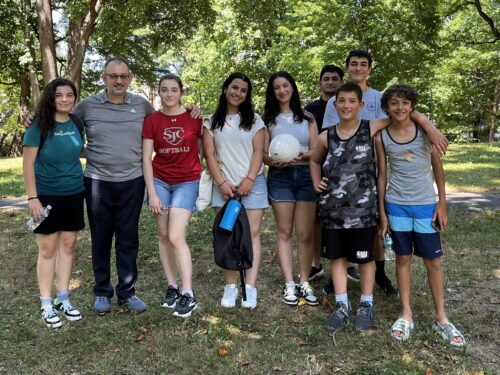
[[272, 106], [246, 108], [46, 109]]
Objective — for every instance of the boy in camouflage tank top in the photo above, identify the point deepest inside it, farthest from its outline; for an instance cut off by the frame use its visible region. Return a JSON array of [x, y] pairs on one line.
[[348, 201]]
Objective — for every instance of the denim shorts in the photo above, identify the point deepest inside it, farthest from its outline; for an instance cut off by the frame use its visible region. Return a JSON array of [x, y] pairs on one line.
[[257, 199], [181, 195], [291, 184]]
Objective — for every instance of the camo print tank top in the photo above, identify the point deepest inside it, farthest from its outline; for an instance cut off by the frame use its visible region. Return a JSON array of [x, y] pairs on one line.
[[350, 200]]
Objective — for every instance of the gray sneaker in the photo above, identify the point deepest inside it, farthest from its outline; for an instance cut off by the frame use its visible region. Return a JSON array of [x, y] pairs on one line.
[[102, 305], [339, 318], [134, 304], [364, 316]]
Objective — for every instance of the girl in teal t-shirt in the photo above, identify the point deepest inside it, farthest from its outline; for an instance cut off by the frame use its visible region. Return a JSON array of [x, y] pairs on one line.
[[53, 176]]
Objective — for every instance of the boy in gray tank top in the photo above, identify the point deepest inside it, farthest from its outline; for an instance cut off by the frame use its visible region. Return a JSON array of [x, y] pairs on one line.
[[408, 208]]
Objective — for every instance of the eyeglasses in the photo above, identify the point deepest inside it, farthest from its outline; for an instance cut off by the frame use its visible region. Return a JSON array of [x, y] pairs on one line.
[[115, 77]]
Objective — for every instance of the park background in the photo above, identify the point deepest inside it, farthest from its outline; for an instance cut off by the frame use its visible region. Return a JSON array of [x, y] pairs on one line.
[[447, 49]]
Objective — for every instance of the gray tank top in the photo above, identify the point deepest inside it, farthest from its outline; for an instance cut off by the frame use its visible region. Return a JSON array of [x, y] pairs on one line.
[[411, 178]]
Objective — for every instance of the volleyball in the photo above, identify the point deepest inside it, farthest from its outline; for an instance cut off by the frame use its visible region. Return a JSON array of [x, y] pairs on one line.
[[284, 147]]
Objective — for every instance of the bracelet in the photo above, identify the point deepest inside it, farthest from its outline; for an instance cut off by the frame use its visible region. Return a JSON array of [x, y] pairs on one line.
[[251, 179], [222, 183], [30, 198]]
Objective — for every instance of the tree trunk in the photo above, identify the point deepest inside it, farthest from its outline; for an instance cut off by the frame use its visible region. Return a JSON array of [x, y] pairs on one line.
[[46, 35], [79, 33], [33, 77], [494, 113]]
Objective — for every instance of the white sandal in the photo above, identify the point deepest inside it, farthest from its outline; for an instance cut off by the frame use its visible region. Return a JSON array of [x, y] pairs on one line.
[[404, 326], [448, 332]]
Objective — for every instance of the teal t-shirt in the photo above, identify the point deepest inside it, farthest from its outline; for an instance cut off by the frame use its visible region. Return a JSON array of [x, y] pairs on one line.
[[58, 170]]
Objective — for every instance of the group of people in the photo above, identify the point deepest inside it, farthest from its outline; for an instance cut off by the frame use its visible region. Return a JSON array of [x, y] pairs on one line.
[[342, 137]]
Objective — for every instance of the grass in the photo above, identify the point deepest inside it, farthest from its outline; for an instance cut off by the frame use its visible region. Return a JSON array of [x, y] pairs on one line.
[[468, 167], [272, 339]]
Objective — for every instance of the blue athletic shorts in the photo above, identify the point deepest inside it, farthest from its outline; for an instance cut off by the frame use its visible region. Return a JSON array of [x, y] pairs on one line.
[[412, 231], [257, 199], [181, 195], [291, 184]]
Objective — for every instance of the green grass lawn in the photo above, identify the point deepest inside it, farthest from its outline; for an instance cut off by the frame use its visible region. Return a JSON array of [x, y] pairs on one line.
[[468, 167], [274, 338]]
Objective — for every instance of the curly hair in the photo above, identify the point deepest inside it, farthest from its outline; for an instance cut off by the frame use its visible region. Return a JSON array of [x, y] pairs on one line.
[[272, 107], [46, 109], [399, 91], [246, 108]]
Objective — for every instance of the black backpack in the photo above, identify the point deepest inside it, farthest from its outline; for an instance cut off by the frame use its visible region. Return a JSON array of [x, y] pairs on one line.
[[76, 120], [233, 250]]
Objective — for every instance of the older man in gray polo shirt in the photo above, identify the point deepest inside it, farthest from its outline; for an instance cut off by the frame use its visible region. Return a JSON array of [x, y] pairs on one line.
[[114, 183]]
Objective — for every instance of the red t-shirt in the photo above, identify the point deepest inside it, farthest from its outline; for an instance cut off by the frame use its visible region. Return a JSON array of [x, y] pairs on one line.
[[176, 146]]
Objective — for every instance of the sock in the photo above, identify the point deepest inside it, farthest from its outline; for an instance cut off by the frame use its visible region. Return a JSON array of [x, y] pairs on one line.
[[365, 298], [342, 298], [46, 303], [379, 268], [174, 286], [187, 291], [248, 286], [63, 295], [304, 284], [292, 283], [231, 286]]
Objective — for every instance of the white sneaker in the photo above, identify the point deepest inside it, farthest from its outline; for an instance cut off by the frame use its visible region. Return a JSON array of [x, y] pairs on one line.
[[230, 295], [67, 310], [50, 317], [251, 302], [307, 293], [290, 294]]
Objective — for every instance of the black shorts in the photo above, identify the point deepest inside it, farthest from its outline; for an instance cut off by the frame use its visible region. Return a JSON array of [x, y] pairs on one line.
[[354, 244], [66, 214]]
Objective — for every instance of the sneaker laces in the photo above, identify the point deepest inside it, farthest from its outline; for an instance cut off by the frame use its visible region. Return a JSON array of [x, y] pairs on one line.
[[307, 289], [184, 300], [67, 306], [341, 311], [364, 310], [101, 299], [48, 311], [289, 290]]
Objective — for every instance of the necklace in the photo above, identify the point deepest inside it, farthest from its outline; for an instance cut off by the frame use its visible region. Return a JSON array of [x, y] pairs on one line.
[[352, 133]]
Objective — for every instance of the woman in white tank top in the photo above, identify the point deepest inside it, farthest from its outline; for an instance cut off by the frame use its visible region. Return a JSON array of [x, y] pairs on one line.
[[289, 184]]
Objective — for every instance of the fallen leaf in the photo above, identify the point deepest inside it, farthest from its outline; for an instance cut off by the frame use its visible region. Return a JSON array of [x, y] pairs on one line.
[[116, 350], [303, 343], [327, 304], [143, 329], [497, 274], [243, 362], [277, 368], [427, 344], [494, 300], [302, 302], [453, 358], [139, 337], [223, 351]]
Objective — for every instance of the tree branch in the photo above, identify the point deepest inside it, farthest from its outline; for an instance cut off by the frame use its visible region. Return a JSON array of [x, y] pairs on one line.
[[487, 19]]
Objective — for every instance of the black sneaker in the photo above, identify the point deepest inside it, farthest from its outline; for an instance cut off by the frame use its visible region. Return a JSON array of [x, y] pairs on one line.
[[339, 318], [364, 316], [353, 273], [328, 288], [385, 285], [316, 272], [185, 306], [171, 297]]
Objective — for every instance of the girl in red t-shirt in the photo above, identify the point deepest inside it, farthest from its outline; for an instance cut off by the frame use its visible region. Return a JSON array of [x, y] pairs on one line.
[[172, 178]]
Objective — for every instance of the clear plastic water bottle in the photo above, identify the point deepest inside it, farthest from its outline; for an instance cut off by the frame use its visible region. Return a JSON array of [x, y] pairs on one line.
[[33, 224], [389, 253], [230, 215]]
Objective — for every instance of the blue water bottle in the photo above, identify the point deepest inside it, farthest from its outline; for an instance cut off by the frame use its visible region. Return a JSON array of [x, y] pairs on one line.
[[232, 210]]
